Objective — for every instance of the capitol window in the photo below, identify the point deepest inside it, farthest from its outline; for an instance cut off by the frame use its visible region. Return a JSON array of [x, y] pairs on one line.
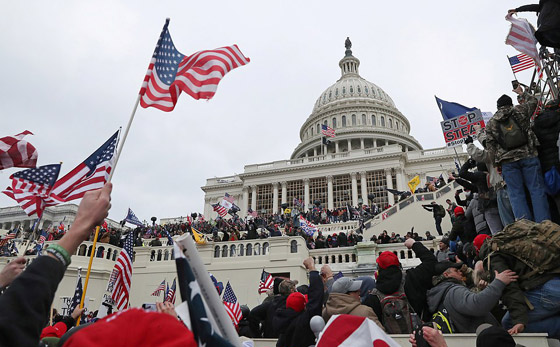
[[343, 90], [343, 121], [390, 123], [351, 89], [264, 198], [330, 94], [366, 89], [353, 119], [364, 120], [397, 124], [342, 191], [373, 119], [334, 123], [382, 121], [325, 97], [359, 89], [318, 129]]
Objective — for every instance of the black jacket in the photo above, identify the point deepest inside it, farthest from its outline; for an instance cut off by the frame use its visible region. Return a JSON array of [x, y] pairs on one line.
[[294, 326], [265, 313], [547, 127], [464, 228], [25, 305], [417, 282], [547, 22]]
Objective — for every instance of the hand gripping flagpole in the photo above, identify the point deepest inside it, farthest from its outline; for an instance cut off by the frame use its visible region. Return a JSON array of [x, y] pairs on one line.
[[118, 154]]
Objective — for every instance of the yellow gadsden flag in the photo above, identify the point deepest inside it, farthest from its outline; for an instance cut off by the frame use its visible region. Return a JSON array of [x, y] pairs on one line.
[[413, 183], [198, 237]]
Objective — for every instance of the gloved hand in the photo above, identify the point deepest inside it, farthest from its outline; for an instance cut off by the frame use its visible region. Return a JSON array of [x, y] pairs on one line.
[[468, 140]]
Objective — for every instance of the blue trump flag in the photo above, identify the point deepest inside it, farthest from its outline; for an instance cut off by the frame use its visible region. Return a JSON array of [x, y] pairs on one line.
[[451, 109]]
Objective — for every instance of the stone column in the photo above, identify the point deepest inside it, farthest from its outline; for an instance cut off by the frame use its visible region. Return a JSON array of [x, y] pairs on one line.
[[401, 184], [336, 147], [315, 151], [374, 143], [330, 201], [354, 189], [306, 193], [390, 186], [254, 198], [349, 145], [362, 146], [245, 205], [207, 207], [275, 197], [284, 185], [363, 176]]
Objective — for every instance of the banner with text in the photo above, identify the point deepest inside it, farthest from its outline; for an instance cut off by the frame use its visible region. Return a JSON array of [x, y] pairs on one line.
[[455, 130]]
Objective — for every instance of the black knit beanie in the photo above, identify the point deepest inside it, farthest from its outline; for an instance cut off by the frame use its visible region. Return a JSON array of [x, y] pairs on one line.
[[504, 100]]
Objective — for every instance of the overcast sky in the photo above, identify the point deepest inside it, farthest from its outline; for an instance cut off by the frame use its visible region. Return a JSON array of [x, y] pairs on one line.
[[72, 71]]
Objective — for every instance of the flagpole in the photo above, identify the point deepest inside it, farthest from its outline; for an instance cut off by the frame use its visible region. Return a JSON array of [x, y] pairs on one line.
[[88, 272], [32, 234]]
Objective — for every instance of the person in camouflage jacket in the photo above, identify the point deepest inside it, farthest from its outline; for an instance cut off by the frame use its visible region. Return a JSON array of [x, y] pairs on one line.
[[520, 165]]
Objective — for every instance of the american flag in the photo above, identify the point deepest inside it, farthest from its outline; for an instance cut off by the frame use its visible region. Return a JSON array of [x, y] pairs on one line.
[[198, 75], [232, 306], [91, 174], [222, 211], [121, 289], [229, 198], [327, 130], [42, 237], [14, 152], [77, 295], [159, 289], [7, 239], [227, 201], [171, 293], [307, 227], [521, 36], [132, 219], [521, 62], [32, 187], [266, 282]]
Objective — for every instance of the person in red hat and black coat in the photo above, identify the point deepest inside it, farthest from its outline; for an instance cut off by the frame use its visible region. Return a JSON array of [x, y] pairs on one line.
[[462, 227], [415, 281]]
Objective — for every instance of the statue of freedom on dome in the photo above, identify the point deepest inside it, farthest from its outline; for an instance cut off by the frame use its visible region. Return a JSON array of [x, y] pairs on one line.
[[348, 43]]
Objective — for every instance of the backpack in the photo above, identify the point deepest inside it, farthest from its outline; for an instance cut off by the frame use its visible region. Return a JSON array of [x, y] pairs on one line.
[[510, 133], [537, 245], [396, 311], [441, 317], [439, 211]]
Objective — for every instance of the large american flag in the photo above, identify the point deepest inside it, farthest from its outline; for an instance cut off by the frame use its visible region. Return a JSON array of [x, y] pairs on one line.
[[14, 152], [123, 267], [7, 239], [220, 210], [521, 62], [233, 308], [266, 282], [159, 289], [31, 188], [91, 174], [198, 75], [327, 130]]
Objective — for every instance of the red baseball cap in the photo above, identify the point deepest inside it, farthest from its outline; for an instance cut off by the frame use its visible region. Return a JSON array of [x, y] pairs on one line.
[[387, 259], [458, 210], [56, 330], [479, 241]]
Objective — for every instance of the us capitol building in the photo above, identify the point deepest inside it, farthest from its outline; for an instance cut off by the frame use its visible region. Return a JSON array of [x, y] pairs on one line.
[[372, 150]]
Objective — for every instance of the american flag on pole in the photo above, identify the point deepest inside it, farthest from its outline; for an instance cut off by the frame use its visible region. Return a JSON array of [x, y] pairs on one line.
[[91, 174], [266, 282], [219, 209], [171, 293], [77, 295], [233, 308], [32, 187], [327, 130], [521, 62], [159, 289], [123, 267], [198, 75], [307, 227], [14, 152], [132, 219], [7, 238]]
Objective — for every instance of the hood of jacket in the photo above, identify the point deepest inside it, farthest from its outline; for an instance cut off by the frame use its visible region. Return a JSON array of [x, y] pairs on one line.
[[435, 295], [340, 304], [389, 280]]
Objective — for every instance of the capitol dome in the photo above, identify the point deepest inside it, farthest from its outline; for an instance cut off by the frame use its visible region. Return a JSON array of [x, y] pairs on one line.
[[361, 113]]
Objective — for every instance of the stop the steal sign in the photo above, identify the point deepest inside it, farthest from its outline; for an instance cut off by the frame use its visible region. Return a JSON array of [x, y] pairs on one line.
[[455, 130]]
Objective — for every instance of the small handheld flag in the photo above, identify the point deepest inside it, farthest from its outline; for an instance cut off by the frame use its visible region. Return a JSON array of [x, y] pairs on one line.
[[159, 289], [233, 308], [132, 219], [266, 282]]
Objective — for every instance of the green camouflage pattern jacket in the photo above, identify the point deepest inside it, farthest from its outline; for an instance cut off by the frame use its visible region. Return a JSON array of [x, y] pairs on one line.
[[522, 114]]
